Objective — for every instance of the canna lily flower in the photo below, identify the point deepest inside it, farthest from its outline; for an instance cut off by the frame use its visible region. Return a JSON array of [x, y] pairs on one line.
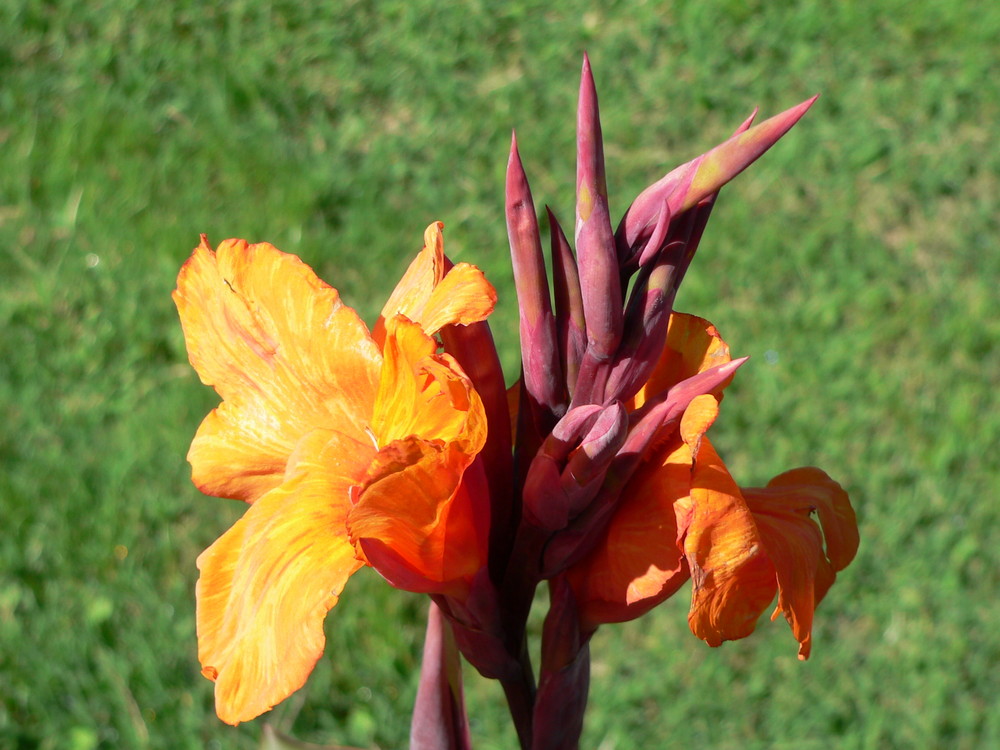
[[352, 448], [623, 493], [683, 517]]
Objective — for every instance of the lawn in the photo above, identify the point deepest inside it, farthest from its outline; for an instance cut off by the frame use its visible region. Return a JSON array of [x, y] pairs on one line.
[[857, 263]]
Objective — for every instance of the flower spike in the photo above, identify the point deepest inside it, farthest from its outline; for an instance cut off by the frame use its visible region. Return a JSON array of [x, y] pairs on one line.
[[690, 183], [402, 449]]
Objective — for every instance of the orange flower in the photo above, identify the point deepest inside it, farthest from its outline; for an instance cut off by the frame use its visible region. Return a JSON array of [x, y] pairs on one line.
[[682, 516], [352, 447], [639, 563]]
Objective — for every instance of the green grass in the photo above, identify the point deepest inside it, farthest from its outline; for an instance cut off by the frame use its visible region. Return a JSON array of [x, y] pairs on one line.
[[857, 262]]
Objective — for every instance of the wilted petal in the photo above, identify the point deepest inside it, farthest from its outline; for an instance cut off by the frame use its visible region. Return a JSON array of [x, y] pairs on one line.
[[284, 353], [805, 571], [745, 546], [267, 583], [733, 577]]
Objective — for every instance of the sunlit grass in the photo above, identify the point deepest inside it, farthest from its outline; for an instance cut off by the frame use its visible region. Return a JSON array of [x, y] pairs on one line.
[[857, 263]]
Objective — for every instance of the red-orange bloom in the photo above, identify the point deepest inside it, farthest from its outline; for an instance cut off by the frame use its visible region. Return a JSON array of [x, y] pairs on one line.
[[682, 516], [639, 563], [352, 447]]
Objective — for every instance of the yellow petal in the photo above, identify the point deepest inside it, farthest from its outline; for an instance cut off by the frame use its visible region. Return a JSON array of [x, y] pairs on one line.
[[464, 296], [284, 353], [410, 519], [267, 583], [433, 293], [425, 394]]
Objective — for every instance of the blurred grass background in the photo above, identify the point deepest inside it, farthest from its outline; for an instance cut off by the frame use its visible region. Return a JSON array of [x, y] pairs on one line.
[[857, 262]]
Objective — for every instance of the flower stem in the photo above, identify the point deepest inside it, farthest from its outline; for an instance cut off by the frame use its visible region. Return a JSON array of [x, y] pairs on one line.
[[520, 692]]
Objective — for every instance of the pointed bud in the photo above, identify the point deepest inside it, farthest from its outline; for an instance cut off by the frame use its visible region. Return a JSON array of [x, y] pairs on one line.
[[690, 183], [565, 674], [595, 245], [439, 719], [542, 380]]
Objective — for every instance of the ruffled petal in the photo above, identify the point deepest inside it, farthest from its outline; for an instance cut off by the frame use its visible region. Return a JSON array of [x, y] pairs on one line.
[[425, 394], [421, 518], [284, 353], [410, 519], [745, 546], [267, 583], [433, 293], [794, 541], [693, 345]]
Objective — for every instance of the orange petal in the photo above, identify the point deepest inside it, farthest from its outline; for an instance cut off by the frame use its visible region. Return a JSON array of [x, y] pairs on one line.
[[638, 564], [410, 520], [284, 353], [733, 578], [794, 541], [693, 345], [744, 546], [831, 503], [267, 583], [434, 294], [419, 524], [464, 296]]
